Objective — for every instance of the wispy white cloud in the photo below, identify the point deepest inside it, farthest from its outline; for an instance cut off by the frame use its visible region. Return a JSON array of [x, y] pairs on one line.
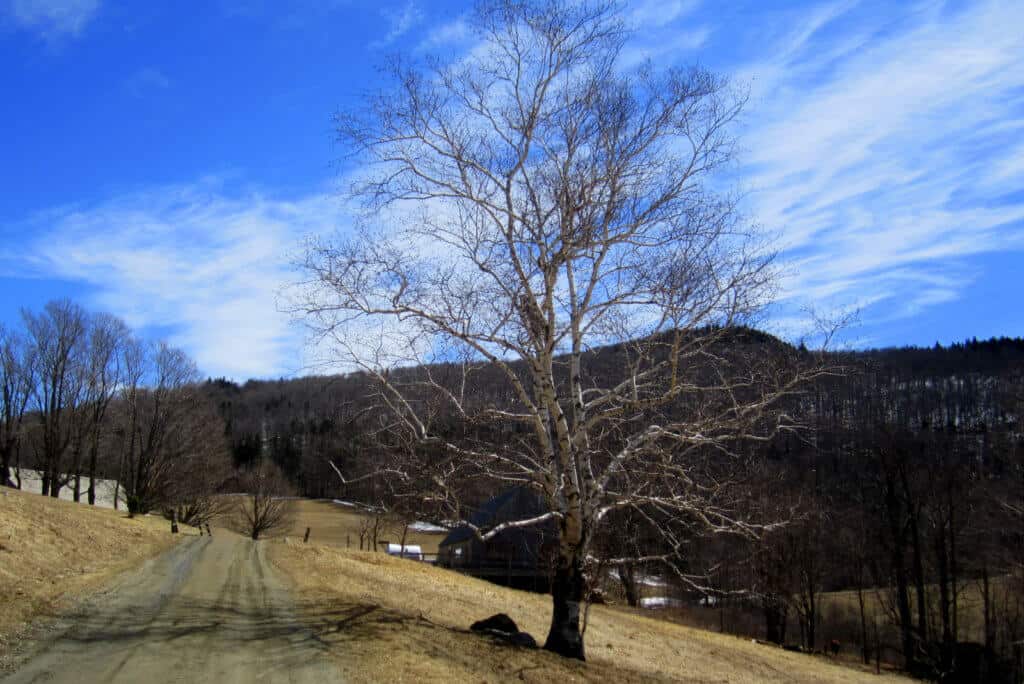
[[52, 19], [400, 21], [662, 32], [647, 14], [147, 80], [454, 33], [199, 264], [887, 157], [671, 45]]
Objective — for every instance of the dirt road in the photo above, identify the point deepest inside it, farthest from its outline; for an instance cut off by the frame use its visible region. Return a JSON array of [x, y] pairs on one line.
[[208, 610]]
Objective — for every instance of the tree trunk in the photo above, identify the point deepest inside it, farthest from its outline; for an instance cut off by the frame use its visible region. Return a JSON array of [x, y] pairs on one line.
[[627, 576], [944, 599], [906, 621], [5, 467], [913, 515], [775, 615], [812, 624], [55, 482], [953, 571], [76, 468], [93, 455], [564, 638], [864, 650], [895, 517], [986, 596]]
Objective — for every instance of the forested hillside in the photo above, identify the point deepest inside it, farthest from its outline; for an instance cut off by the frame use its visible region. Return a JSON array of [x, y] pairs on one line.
[[909, 478], [973, 388]]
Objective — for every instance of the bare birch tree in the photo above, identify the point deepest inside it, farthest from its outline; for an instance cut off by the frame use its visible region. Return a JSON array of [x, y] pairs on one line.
[[535, 202]]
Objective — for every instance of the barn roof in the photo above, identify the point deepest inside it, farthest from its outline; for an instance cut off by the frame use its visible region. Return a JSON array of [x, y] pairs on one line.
[[512, 504]]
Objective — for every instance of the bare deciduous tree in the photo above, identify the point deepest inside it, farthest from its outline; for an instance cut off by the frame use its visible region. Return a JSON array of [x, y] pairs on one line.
[[548, 203], [263, 509], [58, 336], [159, 420], [201, 467], [107, 338], [101, 376], [17, 378]]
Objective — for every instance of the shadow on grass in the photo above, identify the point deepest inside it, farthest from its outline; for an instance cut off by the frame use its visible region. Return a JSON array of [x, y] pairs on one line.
[[288, 639]]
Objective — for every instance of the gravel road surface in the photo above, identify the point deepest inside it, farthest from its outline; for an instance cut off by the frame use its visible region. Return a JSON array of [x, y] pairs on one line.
[[208, 610]]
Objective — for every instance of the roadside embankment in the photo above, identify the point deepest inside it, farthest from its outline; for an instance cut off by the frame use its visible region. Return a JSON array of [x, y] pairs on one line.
[[405, 621], [53, 552]]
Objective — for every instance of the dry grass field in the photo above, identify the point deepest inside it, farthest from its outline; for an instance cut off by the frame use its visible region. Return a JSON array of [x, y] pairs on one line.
[[53, 551], [387, 618], [840, 613], [376, 616], [337, 525]]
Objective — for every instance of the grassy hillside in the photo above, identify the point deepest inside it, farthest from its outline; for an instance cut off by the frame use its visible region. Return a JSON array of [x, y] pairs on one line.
[[52, 551], [383, 617]]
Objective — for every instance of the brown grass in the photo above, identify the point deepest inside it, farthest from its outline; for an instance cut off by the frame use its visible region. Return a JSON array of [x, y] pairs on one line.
[[383, 617], [52, 552], [971, 619], [334, 525]]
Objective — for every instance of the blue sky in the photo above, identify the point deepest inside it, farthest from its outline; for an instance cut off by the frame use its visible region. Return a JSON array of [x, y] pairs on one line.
[[163, 161]]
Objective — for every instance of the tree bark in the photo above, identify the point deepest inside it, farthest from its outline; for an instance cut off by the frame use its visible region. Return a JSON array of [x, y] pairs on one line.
[[6, 452], [864, 650], [775, 617], [944, 598], [986, 596], [896, 530], [93, 455], [627, 576], [564, 637]]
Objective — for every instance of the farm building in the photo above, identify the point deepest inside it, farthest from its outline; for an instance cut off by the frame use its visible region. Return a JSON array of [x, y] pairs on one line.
[[518, 557]]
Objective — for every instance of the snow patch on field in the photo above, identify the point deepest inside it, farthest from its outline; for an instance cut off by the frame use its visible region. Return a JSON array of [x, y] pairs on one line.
[[660, 602], [32, 482], [644, 580]]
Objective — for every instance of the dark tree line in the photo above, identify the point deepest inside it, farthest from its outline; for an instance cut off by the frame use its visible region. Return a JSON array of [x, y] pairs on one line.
[[906, 497]]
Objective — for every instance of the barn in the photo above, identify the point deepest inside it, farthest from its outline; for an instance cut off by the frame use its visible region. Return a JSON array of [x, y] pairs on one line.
[[519, 557]]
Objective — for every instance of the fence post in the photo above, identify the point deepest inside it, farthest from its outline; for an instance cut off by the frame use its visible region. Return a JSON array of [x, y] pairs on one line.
[[306, 538], [174, 522]]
